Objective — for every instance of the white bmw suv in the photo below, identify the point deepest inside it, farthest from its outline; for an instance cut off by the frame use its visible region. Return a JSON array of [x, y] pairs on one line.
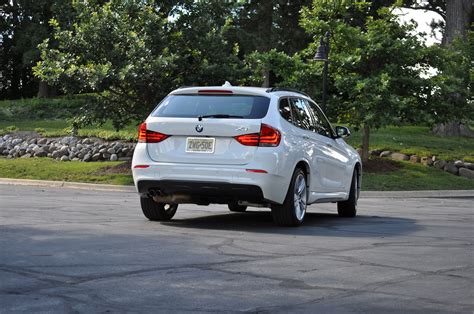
[[243, 146]]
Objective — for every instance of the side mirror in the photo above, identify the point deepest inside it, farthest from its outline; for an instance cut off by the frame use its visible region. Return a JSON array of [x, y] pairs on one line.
[[342, 131]]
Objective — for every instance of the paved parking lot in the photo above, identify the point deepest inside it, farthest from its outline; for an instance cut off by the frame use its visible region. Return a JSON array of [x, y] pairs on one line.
[[65, 250]]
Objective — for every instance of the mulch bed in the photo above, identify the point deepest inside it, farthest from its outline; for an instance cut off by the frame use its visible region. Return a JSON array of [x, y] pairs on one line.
[[123, 168], [380, 165]]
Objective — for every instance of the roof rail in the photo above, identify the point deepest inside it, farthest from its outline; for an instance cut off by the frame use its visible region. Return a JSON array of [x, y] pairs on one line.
[[284, 89]]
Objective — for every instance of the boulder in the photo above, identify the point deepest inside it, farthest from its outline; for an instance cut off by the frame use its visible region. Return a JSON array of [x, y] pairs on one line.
[[56, 154], [113, 157], [385, 153], [451, 168], [87, 157], [26, 156], [103, 150], [415, 159], [469, 165], [41, 153], [42, 141], [399, 156], [95, 157], [427, 161], [467, 173], [439, 164], [64, 158], [459, 163], [111, 151]]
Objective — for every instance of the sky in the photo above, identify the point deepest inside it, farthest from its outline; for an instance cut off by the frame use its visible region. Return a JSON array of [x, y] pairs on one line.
[[423, 18]]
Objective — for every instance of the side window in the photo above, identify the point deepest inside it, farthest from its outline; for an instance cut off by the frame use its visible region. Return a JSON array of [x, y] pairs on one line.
[[285, 109], [321, 124], [301, 114]]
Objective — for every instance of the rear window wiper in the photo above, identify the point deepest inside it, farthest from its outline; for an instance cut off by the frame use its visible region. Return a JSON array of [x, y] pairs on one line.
[[223, 116]]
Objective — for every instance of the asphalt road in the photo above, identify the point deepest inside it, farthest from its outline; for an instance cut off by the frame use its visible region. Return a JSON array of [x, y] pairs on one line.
[[65, 250]]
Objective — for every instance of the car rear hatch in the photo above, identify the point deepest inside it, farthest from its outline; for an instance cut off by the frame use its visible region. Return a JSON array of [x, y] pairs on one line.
[[202, 128]]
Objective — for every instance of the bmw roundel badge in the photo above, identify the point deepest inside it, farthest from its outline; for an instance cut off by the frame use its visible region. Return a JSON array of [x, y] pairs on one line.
[[199, 128]]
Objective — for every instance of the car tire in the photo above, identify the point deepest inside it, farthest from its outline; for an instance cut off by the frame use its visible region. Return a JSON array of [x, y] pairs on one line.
[[349, 208], [235, 207], [292, 211], [157, 211]]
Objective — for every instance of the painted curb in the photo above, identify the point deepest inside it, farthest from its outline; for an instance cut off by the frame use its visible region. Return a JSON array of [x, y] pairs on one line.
[[131, 189]]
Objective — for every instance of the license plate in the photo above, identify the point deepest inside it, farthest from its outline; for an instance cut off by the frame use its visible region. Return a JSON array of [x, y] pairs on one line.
[[200, 145]]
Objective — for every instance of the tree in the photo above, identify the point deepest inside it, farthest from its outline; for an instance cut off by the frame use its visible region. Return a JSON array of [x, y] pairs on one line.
[[453, 92], [132, 53], [375, 63]]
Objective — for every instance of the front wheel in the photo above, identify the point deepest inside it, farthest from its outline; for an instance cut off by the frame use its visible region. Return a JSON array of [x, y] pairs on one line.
[[349, 208], [293, 209], [157, 211]]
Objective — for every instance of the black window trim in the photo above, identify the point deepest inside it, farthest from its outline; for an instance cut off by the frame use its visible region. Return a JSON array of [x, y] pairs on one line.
[[331, 129], [291, 111]]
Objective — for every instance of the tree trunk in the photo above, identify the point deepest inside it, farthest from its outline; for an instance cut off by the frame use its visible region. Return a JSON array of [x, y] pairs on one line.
[[43, 90], [365, 144], [458, 19]]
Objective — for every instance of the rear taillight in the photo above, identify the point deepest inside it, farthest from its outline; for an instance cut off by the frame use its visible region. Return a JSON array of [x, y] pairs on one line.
[[147, 136], [268, 137]]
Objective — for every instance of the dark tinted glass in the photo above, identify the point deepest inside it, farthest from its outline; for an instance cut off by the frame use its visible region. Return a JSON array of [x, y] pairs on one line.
[[301, 114], [320, 124], [285, 110], [191, 106]]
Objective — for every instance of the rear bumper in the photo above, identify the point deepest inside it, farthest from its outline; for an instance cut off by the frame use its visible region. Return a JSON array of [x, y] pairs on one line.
[[212, 181]]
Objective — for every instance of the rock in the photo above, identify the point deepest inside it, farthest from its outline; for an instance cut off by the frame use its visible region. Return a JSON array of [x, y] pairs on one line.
[[103, 150], [459, 163], [95, 157], [16, 141], [106, 156], [42, 141], [399, 156], [113, 157], [87, 157], [41, 153], [439, 164], [56, 154], [427, 161], [451, 168], [385, 153], [75, 159], [26, 156], [64, 158], [125, 159], [414, 159], [375, 152], [469, 165], [63, 151], [467, 173], [111, 151]]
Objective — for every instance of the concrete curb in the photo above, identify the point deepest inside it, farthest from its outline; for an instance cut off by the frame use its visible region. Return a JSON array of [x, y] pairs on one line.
[[131, 189], [69, 185]]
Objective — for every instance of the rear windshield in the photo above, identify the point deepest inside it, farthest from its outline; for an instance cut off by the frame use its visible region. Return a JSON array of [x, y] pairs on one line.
[[193, 106]]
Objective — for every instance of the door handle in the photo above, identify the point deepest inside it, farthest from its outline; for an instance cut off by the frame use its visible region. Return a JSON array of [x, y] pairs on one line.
[[329, 145], [305, 137]]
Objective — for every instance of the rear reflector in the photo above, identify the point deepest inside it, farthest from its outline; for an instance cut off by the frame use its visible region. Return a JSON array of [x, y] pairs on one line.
[[141, 166], [268, 137], [215, 92], [147, 136], [256, 170]]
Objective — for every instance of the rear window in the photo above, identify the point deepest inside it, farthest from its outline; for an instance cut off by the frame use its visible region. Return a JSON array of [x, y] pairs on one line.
[[193, 106]]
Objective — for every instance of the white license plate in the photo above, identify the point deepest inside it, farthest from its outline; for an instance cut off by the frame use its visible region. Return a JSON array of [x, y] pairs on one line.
[[200, 145]]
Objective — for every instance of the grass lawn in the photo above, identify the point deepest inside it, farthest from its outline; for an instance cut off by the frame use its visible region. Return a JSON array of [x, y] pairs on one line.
[[407, 177], [417, 140], [411, 177], [50, 169]]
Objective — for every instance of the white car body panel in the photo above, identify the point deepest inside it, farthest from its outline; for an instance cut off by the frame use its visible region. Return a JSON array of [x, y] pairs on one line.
[[331, 162]]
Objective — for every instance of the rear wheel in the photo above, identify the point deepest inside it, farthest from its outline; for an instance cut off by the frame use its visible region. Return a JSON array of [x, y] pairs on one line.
[[235, 207], [157, 211], [293, 209], [349, 208]]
